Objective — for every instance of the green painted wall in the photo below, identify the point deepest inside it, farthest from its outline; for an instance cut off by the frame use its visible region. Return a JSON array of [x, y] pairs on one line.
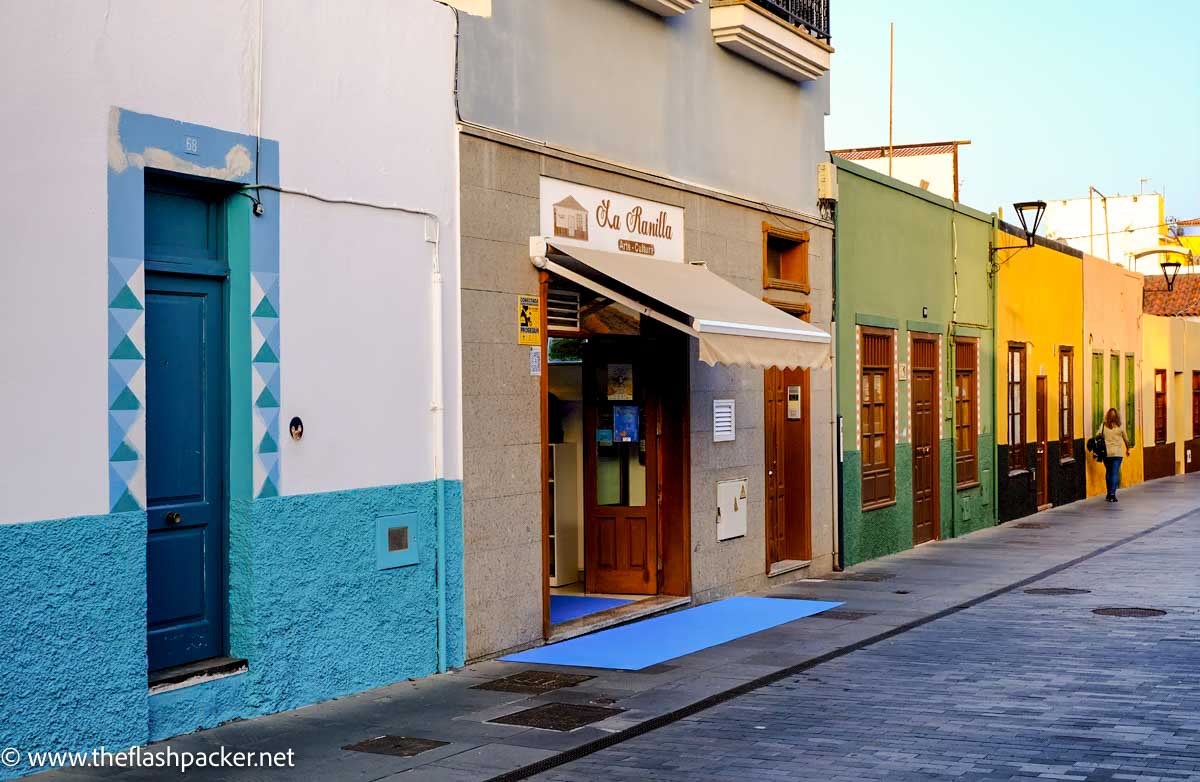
[[918, 262]]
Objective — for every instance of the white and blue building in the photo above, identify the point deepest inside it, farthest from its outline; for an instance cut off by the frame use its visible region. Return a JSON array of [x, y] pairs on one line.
[[229, 321]]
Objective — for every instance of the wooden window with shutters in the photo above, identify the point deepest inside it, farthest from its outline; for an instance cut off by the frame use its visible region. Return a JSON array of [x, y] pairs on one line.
[[1160, 406], [877, 417], [785, 259], [1066, 403], [1016, 406], [966, 406]]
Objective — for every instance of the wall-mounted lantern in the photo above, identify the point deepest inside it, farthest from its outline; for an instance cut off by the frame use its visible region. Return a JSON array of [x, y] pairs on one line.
[[1029, 213], [1169, 270]]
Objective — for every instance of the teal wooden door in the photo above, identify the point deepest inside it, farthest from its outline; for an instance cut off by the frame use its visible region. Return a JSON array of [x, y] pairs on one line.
[[186, 420]]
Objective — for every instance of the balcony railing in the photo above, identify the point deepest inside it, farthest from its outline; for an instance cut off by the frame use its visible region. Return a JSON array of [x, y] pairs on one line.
[[812, 15]]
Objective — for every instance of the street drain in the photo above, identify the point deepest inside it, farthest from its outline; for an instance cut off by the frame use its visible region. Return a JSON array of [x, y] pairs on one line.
[[902, 592], [533, 682], [1032, 525], [1139, 613], [862, 576], [845, 614], [400, 746], [1056, 591], [558, 716]]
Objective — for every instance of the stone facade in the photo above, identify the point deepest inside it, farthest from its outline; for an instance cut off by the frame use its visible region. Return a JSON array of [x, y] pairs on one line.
[[501, 426]]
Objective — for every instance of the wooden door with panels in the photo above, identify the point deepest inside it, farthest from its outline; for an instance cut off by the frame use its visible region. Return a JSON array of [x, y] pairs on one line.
[[621, 551], [787, 438], [924, 388]]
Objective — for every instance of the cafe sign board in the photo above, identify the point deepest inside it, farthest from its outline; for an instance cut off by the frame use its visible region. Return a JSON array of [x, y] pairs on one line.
[[582, 216]]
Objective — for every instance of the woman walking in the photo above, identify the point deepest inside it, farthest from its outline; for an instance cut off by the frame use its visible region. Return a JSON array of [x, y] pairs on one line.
[[1116, 448]]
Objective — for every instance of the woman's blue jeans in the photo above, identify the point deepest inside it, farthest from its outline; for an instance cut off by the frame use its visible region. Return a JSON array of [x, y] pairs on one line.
[[1112, 474]]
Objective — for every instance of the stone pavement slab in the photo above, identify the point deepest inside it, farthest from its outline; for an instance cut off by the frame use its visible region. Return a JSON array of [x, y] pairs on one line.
[[920, 584]]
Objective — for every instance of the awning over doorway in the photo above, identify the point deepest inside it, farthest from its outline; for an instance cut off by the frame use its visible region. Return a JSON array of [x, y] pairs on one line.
[[733, 326]]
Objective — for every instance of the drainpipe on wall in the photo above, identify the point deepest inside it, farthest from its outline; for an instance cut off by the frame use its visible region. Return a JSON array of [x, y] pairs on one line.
[[838, 422], [438, 408], [995, 379]]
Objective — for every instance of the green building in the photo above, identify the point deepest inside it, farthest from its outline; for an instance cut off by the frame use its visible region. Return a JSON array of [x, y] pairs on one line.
[[915, 309]]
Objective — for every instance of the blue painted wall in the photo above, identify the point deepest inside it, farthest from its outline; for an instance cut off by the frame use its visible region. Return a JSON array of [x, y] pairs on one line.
[[311, 612], [73, 633]]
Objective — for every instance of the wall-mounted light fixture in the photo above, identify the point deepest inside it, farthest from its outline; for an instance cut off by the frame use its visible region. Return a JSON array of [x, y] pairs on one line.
[[1029, 213]]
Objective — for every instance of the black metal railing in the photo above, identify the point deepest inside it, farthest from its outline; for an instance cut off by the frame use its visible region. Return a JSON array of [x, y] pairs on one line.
[[812, 15]]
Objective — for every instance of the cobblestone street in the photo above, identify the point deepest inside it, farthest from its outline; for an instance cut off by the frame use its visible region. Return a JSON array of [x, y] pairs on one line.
[[1021, 687]]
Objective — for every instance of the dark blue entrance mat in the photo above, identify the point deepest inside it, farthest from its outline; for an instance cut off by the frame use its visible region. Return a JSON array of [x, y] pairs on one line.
[[566, 607], [641, 644]]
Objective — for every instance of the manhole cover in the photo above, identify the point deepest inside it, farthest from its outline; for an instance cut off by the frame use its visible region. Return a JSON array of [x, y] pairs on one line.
[[1056, 591], [533, 682], [1139, 613], [862, 576], [401, 746], [1032, 525], [844, 614], [558, 716]]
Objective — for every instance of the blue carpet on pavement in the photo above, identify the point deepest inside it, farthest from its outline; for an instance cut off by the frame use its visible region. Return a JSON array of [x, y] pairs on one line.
[[641, 644], [564, 607]]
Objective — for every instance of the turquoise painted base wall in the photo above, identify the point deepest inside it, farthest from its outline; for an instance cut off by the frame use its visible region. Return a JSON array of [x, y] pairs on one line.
[[877, 533], [73, 633], [309, 610]]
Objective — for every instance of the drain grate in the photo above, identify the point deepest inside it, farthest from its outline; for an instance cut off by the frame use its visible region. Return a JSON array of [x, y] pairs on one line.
[[400, 746], [902, 592], [1032, 525], [534, 682], [862, 576], [1138, 613], [794, 596], [558, 716], [844, 614], [1057, 591]]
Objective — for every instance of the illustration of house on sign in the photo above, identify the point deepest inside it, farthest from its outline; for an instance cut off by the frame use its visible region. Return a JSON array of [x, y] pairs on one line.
[[570, 219]]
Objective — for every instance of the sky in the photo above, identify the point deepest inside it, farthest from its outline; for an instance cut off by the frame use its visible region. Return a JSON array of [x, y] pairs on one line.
[[1054, 95]]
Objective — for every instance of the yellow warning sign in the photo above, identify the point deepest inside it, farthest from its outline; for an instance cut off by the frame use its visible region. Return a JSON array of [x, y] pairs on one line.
[[529, 320]]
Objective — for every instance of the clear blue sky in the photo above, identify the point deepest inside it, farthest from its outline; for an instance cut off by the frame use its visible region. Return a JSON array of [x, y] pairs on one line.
[[1055, 95]]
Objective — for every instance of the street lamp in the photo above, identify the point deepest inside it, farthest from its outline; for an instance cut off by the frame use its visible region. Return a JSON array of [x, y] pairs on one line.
[[1027, 212], [1035, 210], [1169, 270]]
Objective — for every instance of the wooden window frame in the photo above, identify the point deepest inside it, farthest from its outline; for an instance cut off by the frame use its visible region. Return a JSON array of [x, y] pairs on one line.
[[966, 462], [1066, 412], [1160, 408], [1018, 420], [888, 371], [801, 238]]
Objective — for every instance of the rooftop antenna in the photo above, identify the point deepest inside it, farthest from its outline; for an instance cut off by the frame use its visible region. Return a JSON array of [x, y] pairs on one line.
[[891, 87], [1142, 185]]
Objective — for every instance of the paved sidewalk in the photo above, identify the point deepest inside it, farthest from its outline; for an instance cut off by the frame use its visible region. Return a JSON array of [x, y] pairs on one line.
[[886, 596]]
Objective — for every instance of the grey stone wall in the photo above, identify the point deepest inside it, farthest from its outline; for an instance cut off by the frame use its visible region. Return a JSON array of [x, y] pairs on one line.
[[501, 434]]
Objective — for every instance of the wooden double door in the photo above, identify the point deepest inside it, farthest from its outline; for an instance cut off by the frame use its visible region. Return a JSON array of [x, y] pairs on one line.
[[788, 507], [924, 388], [621, 470]]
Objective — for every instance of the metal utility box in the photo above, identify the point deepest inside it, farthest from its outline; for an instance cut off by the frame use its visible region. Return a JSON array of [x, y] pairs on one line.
[[732, 498]]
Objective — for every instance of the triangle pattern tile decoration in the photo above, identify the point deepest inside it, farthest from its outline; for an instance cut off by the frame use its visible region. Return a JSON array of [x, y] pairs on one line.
[[264, 347], [126, 387]]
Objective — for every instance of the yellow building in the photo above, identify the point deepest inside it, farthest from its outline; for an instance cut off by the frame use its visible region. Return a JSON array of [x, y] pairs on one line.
[[1112, 329], [1170, 384], [1040, 424]]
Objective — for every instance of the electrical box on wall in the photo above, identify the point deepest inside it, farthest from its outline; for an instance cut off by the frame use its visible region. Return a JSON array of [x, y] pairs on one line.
[[396, 541], [732, 499]]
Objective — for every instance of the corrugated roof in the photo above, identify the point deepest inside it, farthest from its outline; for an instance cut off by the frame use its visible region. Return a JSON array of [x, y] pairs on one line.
[[1184, 300], [1193, 221], [907, 150]]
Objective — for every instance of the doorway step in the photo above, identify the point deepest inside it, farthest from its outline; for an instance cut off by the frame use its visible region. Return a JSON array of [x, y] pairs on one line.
[[787, 566], [616, 616]]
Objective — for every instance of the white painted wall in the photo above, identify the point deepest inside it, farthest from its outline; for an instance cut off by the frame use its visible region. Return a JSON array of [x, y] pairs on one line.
[[360, 99], [937, 170], [1134, 223]]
